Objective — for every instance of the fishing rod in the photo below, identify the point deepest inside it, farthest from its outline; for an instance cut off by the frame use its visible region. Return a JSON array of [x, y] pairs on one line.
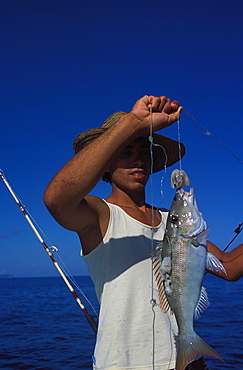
[[237, 231], [22, 208]]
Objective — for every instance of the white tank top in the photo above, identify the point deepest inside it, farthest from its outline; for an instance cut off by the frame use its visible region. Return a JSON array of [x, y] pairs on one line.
[[121, 269]]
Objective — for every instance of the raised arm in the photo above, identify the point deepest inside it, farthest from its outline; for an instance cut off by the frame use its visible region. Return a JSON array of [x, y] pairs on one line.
[[66, 195]]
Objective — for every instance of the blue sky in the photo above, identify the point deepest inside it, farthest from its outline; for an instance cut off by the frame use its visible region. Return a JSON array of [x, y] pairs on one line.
[[67, 65]]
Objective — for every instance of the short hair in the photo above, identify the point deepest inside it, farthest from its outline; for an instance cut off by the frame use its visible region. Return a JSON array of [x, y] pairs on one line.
[[106, 177]]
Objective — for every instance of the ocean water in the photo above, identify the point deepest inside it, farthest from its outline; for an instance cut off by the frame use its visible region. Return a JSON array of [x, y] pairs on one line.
[[42, 327]]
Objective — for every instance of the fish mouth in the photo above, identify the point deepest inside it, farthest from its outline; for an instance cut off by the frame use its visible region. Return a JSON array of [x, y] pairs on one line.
[[188, 196], [183, 192], [189, 200]]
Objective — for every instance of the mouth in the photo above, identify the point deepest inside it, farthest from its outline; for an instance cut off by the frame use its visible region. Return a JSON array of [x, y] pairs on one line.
[[138, 173]]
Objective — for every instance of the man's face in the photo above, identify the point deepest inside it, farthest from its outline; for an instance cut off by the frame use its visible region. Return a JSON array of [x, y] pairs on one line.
[[131, 167]]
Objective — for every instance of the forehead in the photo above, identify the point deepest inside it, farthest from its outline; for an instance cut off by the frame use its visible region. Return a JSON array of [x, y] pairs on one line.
[[141, 142]]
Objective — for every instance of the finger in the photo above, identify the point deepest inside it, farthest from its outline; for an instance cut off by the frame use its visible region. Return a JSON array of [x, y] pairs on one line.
[[148, 100], [171, 106], [175, 105], [167, 107], [173, 117], [158, 103]]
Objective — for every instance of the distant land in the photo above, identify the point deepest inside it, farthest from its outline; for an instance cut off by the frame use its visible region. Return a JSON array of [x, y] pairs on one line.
[[6, 276]]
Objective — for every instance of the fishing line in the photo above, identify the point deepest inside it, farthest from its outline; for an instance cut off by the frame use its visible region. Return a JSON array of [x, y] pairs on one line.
[[153, 300], [74, 282], [162, 179], [208, 133], [151, 168], [179, 143], [166, 160], [151, 171]]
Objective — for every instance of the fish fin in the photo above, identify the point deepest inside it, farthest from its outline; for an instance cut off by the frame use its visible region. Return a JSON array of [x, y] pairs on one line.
[[201, 238], [203, 303], [213, 264], [189, 348], [157, 262]]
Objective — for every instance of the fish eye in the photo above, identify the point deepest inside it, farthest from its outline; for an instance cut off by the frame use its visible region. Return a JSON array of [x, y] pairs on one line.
[[174, 219]]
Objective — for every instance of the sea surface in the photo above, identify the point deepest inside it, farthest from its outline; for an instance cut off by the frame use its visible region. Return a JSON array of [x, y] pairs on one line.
[[42, 326]]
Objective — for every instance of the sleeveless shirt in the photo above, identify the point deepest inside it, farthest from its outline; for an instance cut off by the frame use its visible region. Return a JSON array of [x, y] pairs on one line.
[[132, 333]]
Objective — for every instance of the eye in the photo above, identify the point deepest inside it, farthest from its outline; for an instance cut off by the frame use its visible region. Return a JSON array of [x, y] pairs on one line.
[[174, 219], [146, 152], [126, 153]]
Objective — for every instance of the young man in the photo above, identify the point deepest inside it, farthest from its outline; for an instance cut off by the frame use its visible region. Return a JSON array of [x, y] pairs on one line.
[[117, 233]]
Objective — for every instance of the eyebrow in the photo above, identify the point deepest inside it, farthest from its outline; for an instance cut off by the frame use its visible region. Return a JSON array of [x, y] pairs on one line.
[[145, 146]]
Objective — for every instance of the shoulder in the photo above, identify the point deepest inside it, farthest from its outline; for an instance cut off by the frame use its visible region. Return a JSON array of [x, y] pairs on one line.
[[95, 201]]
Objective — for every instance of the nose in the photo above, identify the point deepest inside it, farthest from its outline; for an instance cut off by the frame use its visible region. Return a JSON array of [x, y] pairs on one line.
[[138, 162]]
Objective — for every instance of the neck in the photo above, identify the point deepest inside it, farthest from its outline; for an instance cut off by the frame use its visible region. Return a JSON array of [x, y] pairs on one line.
[[135, 206], [132, 199]]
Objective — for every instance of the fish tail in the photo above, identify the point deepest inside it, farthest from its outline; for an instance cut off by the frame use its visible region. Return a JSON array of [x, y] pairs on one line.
[[189, 348]]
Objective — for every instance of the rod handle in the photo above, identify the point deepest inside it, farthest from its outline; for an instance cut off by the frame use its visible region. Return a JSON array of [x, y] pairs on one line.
[[92, 323]]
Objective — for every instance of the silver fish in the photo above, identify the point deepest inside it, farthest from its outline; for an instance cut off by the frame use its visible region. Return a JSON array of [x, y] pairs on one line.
[[179, 264]]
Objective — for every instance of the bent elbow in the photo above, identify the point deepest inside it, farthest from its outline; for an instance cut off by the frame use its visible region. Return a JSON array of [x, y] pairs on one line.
[[61, 209], [51, 201]]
